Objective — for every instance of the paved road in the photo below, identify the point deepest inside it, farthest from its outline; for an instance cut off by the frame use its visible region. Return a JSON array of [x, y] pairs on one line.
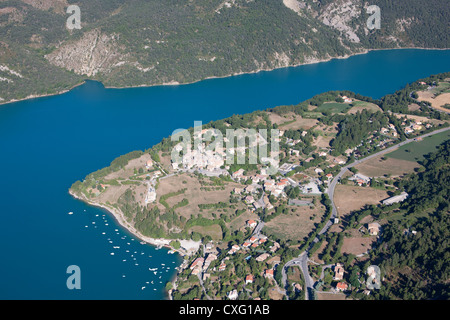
[[302, 260], [258, 228]]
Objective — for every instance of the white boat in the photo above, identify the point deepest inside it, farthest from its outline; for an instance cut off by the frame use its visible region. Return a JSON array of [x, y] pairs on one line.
[[112, 253], [70, 212]]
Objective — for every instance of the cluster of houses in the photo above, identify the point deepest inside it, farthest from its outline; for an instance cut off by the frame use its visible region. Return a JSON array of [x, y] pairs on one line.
[[390, 131], [413, 126], [339, 276], [274, 187], [200, 158], [201, 264]]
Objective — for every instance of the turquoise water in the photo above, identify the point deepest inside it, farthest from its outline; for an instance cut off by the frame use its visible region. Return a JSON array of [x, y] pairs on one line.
[[48, 143]]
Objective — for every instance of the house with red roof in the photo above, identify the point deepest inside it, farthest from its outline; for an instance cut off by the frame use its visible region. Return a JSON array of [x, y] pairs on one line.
[[268, 274], [341, 286]]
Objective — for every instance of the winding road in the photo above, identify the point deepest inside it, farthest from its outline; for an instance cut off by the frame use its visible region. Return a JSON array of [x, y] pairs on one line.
[[302, 259]]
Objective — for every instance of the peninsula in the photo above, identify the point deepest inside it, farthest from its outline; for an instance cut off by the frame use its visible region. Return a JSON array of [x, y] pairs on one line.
[[242, 225]]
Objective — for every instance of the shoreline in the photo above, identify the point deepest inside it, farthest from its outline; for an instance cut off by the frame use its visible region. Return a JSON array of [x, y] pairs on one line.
[[176, 83], [185, 249], [33, 96]]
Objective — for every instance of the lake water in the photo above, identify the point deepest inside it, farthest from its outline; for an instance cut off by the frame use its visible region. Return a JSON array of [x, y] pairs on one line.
[[48, 143]]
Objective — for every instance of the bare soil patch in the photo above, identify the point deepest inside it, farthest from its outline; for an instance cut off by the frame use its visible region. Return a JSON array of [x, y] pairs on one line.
[[376, 167], [357, 245], [331, 296], [351, 198], [295, 225], [436, 102]]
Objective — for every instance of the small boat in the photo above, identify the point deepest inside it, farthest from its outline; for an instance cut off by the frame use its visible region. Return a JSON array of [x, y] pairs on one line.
[[112, 253], [70, 212]]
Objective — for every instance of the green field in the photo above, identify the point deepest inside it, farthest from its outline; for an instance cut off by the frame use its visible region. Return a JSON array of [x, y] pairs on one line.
[[333, 107], [443, 87], [415, 151], [366, 105]]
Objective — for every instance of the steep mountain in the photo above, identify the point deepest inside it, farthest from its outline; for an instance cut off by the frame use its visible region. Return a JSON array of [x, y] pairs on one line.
[[147, 42]]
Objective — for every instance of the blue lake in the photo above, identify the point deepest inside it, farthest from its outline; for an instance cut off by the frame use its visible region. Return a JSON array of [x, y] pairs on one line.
[[48, 143]]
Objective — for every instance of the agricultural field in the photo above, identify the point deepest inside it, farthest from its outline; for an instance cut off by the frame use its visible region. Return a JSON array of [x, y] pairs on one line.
[[357, 245], [383, 166], [195, 195], [358, 106], [331, 296], [438, 96], [415, 151], [333, 107], [295, 225], [350, 198]]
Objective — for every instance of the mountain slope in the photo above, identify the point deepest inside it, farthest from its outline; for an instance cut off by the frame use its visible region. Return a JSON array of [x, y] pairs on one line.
[[147, 42]]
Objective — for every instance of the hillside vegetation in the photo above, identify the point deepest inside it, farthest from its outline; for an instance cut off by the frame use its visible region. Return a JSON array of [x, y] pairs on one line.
[[147, 42]]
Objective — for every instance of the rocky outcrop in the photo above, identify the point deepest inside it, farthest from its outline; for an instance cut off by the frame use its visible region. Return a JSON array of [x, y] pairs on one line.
[[294, 5], [339, 15], [94, 53]]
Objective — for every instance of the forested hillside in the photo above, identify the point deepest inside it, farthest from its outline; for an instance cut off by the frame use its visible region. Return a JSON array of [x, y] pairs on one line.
[[146, 42], [414, 255]]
